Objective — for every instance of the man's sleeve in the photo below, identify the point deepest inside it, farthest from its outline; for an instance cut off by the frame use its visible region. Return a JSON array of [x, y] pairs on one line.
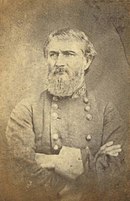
[[114, 129], [21, 149]]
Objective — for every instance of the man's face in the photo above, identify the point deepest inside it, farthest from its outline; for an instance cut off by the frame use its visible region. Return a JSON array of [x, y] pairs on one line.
[[66, 65]]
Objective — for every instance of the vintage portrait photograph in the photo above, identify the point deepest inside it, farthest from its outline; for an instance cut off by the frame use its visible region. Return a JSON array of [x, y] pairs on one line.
[[64, 100]]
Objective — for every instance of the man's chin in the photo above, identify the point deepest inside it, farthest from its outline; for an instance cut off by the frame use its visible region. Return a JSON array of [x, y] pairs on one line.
[[63, 85], [60, 88]]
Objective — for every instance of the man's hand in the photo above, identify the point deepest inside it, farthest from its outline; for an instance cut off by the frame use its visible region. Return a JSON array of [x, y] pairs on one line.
[[46, 161], [67, 163], [110, 149]]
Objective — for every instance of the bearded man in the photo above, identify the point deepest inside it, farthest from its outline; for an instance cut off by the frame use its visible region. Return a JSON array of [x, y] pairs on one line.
[[66, 137]]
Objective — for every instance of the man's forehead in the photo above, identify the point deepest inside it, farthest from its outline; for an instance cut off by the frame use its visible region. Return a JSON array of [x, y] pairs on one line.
[[65, 44]]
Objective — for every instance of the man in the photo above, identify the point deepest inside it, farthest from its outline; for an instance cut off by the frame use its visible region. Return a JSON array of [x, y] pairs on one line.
[[66, 136]]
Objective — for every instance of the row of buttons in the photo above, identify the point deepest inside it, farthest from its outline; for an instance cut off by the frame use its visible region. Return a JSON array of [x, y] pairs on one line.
[[87, 109], [55, 137], [88, 116], [54, 115]]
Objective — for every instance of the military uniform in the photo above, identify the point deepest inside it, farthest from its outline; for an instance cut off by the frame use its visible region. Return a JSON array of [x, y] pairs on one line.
[[43, 124]]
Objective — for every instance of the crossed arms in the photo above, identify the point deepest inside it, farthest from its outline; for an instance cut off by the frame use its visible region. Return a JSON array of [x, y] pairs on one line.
[[55, 170]]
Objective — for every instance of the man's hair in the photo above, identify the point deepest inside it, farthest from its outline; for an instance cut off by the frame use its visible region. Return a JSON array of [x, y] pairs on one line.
[[67, 33]]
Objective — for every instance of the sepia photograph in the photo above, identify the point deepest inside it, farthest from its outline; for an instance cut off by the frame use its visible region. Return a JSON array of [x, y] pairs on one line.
[[65, 100]]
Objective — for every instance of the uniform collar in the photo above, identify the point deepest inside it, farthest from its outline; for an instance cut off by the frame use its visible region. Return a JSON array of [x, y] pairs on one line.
[[79, 92]]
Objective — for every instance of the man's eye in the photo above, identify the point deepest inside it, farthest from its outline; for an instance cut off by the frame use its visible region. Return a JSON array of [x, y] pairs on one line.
[[53, 55], [69, 54]]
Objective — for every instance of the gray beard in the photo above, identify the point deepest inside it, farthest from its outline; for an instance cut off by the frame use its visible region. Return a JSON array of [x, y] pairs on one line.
[[65, 84]]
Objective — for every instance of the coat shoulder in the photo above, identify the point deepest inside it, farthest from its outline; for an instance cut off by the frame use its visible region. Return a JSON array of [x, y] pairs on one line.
[[34, 99], [96, 100]]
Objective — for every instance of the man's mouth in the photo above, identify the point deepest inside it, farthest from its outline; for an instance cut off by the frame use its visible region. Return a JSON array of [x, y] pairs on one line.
[[60, 71]]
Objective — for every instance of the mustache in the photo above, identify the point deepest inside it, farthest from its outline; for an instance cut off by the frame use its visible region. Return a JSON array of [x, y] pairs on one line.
[[60, 69]]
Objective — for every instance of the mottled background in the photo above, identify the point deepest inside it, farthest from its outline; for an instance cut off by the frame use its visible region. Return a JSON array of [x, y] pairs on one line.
[[25, 25]]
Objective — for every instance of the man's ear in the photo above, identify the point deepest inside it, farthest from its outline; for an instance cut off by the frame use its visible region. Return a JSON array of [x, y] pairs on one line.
[[87, 62]]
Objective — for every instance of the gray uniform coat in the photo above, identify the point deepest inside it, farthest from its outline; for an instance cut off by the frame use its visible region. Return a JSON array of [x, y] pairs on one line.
[[37, 125]]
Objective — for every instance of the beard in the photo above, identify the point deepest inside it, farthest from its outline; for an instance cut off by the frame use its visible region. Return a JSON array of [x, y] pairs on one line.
[[64, 82]]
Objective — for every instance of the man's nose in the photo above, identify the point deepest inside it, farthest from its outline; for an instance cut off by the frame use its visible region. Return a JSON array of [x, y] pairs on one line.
[[60, 62]]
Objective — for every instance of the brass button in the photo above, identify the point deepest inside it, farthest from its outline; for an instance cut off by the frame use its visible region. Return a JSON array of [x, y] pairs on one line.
[[56, 147], [55, 98], [89, 117], [54, 106], [87, 108], [89, 137], [85, 99], [54, 115], [75, 96], [55, 136]]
